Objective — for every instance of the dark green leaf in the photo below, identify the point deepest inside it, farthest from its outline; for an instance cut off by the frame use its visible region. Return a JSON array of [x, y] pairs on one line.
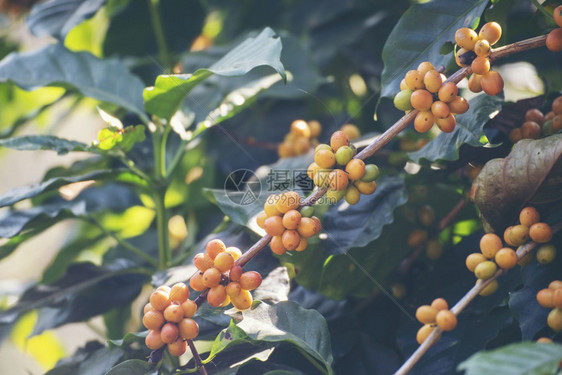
[[282, 322], [92, 359], [103, 79], [130, 367], [357, 225], [68, 254], [235, 102], [516, 359], [169, 91], [530, 174], [100, 362], [469, 130], [79, 295], [57, 17], [129, 339], [12, 222], [529, 314], [287, 321], [8, 247], [18, 194], [43, 142], [420, 34]]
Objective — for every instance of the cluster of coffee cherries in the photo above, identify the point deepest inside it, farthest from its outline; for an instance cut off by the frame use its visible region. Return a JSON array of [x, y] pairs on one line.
[[288, 227], [225, 281], [168, 318], [554, 38], [475, 50], [494, 254], [336, 169], [302, 136], [538, 124], [551, 298], [435, 315], [425, 89]]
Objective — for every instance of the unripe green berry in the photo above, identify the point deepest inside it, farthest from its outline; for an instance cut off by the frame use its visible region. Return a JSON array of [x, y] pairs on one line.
[[546, 253], [485, 270], [371, 173], [307, 211], [344, 155], [402, 100]]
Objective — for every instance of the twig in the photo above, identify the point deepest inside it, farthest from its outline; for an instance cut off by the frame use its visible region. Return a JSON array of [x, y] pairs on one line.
[[196, 358], [126, 244], [461, 305], [447, 219]]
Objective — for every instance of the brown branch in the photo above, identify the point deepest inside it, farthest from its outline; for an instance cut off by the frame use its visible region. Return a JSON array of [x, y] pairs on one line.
[[196, 357], [516, 47], [393, 131], [461, 305]]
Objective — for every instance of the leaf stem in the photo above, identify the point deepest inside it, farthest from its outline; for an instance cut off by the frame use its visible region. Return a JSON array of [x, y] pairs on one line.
[[176, 160], [159, 144], [156, 19], [461, 305], [131, 165], [127, 245], [196, 358], [541, 9], [312, 360]]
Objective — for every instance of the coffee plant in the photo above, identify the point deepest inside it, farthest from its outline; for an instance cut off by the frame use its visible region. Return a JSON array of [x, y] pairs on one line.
[[267, 192]]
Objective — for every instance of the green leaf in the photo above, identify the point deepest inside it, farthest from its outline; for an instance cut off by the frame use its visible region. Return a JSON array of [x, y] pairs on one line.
[[469, 130], [128, 339], [360, 224], [530, 315], [103, 79], [79, 295], [169, 91], [287, 321], [235, 102], [18, 194], [419, 35], [125, 139], [43, 142], [530, 174], [130, 367], [516, 359], [57, 17], [282, 322], [13, 222]]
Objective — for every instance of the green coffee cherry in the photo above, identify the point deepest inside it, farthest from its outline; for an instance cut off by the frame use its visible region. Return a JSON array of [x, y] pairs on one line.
[[371, 173], [546, 128], [352, 195], [307, 211], [402, 100], [344, 155], [546, 253], [334, 196], [485, 270]]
